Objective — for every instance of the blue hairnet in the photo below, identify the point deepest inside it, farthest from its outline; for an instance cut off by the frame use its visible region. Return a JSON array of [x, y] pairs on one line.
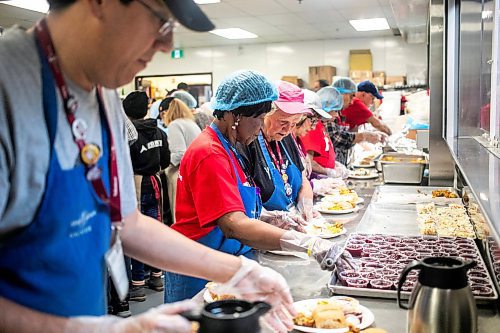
[[345, 85], [243, 88], [331, 99], [186, 97]]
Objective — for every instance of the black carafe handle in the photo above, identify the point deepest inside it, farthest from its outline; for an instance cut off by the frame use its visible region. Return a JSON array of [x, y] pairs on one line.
[[192, 315], [415, 264]]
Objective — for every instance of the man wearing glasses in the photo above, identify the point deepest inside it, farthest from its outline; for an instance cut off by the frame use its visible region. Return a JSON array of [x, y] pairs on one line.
[[67, 199]]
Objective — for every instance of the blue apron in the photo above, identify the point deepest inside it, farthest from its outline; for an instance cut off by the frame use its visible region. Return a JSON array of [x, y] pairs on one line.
[[180, 287], [56, 264], [279, 200]]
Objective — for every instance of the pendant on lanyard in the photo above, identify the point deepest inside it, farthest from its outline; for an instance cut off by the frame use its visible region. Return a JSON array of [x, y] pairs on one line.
[[281, 166]]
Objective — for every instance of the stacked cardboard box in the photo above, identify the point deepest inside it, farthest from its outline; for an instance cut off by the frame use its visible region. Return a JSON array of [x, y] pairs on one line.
[[360, 60], [293, 79], [321, 73], [378, 79]]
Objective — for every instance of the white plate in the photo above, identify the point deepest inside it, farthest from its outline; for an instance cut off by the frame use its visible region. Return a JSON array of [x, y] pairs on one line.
[[371, 165], [367, 320], [290, 254], [360, 201], [329, 235], [207, 297], [369, 176], [336, 212]]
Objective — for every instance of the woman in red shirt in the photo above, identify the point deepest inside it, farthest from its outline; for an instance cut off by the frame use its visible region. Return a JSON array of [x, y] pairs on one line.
[[218, 203]]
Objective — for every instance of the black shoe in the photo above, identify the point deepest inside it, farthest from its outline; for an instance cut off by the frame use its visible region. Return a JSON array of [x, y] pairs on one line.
[[155, 283], [137, 294], [122, 310]]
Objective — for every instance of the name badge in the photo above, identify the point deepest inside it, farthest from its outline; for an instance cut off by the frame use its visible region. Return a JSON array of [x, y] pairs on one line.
[[116, 267]]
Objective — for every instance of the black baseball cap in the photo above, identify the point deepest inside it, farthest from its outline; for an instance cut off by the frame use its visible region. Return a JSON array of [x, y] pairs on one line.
[[187, 12], [367, 86], [190, 15]]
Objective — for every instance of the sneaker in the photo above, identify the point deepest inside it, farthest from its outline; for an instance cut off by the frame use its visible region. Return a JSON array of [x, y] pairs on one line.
[[137, 294], [122, 310], [155, 283]]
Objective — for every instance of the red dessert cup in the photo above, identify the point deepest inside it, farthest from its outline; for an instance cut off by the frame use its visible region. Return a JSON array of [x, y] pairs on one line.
[[482, 291], [381, 284], [357, 282], [344, 275], [354, 250]]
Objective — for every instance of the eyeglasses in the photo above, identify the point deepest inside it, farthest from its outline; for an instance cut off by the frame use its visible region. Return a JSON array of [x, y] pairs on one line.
[[166, 24]]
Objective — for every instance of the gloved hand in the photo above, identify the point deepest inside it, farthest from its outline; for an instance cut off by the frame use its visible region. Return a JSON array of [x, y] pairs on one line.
[[342, 169], [162, 319], [327, 254], [257, 283], [333, 173], [371, 137], [305, 207], [285, 220]]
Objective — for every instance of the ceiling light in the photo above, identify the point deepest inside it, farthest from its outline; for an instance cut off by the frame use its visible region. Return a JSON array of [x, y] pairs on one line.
[[370, 24], [37, 6], [206, 2], [233, 33]]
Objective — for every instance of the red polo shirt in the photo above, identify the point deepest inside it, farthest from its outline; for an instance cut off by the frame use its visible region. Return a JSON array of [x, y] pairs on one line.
[[319, 142], [207, 187], [357, 113]]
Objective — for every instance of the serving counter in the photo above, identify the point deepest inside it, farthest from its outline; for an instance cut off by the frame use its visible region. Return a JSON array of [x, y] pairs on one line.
[[307, 280]]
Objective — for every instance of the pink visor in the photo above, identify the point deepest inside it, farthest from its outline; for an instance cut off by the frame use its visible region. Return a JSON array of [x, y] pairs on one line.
[[291, 99]]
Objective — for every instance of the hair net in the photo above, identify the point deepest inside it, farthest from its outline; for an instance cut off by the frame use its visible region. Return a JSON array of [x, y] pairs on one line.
[[154, 111], [243, 88], [331, 99], [345, 85], [186, 97]]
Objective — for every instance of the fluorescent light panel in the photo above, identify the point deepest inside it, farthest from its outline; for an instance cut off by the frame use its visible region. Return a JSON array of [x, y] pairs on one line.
[[370, 24], [206, 2], [233, 33], [37, 6]]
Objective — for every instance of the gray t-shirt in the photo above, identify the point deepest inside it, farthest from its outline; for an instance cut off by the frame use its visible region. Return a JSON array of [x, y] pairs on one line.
[[24, 141], [181, 132]]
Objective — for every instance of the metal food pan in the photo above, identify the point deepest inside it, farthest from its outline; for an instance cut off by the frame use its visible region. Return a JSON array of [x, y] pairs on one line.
[[489, 260], [392, 294], [401, 172], [398, 195], [389, 222]]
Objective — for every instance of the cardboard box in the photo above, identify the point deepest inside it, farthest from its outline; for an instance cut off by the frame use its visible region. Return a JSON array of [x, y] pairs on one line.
[[378, 81], [395, 80], [360, 76], [321, 73], [292, 79], [360, 60], [379, 74]]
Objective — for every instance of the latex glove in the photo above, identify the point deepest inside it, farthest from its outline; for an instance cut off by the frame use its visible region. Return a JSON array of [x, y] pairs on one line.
[[257, 283], [284, 220], [371, 137], [305, 207], [163, 318], [342, 169], [327, 254], [333, 173]]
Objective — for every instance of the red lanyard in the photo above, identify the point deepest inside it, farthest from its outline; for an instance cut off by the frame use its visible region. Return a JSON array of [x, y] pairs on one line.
[[298, 146], [93, 172], [280, 166]]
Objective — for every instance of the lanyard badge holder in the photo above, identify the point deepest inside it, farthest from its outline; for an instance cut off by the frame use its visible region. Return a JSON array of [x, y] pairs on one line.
[[89, 155]]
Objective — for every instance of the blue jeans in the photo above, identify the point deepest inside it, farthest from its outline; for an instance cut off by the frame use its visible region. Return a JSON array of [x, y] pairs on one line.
[[149, 207], [180, 287]]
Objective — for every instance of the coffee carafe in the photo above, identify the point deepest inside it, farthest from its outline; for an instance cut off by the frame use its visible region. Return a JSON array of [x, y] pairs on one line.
[[442, 300], [229, 316]]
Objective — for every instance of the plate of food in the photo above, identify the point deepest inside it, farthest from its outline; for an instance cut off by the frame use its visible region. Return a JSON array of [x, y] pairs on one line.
[[338, 314], [363, 173], [342, 207], [325, 229], [211, 296], [351, 197], [365, 163]]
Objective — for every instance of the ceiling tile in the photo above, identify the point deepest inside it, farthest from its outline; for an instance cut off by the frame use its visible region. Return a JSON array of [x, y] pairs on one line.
[[221, 10], [358, 13], [259, 7]]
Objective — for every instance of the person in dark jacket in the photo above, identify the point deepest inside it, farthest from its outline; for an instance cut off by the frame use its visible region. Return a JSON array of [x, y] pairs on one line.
[[149, 154]]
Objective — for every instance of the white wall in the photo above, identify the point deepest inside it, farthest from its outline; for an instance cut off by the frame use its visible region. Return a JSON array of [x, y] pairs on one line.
[[390, 54]]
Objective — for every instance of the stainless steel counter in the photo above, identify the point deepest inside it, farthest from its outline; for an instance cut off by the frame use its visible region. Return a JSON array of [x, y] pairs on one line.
[[307, 280]]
